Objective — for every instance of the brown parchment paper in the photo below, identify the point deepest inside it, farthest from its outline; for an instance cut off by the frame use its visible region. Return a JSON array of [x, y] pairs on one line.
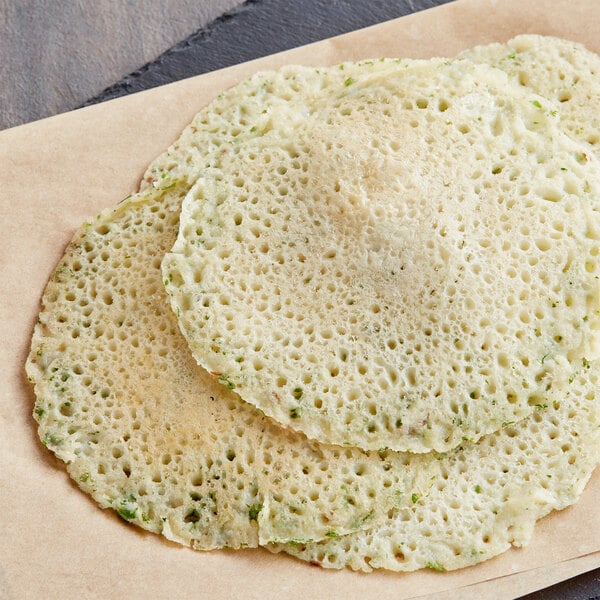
[[54, 541]]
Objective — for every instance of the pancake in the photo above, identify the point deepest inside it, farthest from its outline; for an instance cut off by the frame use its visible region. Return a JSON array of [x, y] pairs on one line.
[[146, 432], [563, 71], [488, 495], [412, 265], [268, 101]]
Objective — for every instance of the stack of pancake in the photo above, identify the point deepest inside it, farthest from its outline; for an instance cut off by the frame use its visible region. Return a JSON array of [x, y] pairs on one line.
[[351, 314]]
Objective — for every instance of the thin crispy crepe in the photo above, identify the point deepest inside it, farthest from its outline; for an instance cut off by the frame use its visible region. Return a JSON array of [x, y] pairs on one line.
[[409, 264]]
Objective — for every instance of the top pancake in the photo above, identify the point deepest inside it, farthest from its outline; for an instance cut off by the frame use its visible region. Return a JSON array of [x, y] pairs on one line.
[[406, 265], [561, 70]]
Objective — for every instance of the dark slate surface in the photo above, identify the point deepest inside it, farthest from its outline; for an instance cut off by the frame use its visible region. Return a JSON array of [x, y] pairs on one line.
[[584, 587], [259, 28], [262, 27]]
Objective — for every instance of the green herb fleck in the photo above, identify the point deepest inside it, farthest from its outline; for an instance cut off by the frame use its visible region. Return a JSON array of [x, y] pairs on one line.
[[362, 519], [414, 497], [126, 510], [477, 489], [224, 378], [435, 566], [253, 511], [585, 363], [84, 477], [298, 542], [541, 406], [52, 440], [332, 534], [127, 513], [537, 104], [349, 81], [512, 55]]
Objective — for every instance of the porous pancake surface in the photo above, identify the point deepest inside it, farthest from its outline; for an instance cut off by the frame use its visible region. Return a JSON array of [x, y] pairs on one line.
[[410, 266], [148, 433], [563, 71], [486, 496], [489, 496], [268, 101]]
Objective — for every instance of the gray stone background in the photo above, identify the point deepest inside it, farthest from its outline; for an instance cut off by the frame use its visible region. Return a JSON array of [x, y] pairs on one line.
[[55, 54]]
